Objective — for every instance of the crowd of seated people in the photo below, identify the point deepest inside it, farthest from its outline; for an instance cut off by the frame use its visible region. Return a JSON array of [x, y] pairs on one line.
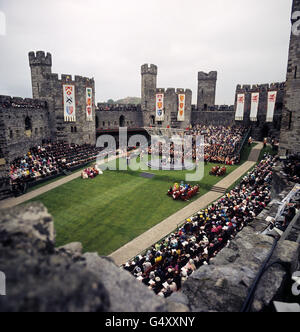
[[50, 159], [218, 171], [168, 264], [89, 173], [221, 143], [291, 168], [183, 191]]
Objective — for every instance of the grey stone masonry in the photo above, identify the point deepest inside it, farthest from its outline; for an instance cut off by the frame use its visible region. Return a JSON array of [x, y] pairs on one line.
[[149, 91], [24, 123], [290, 126], [47, 86], [206, 90], [261, 128]]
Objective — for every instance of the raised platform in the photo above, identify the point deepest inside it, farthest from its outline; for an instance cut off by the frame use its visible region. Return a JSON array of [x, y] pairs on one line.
[[158, 165]]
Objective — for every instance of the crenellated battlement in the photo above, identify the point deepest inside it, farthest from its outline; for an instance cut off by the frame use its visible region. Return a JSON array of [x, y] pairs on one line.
[[40, 59], [65, 78], [149, 69], [170, 91], [202, 76], [218, 108], [18, 102], [260, 87]]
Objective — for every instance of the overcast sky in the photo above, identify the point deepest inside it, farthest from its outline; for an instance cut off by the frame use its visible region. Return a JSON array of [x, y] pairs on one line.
[[245, 41]]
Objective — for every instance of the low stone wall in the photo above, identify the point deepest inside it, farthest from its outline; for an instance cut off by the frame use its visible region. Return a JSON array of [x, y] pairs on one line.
[[42, 278], [223, 285]]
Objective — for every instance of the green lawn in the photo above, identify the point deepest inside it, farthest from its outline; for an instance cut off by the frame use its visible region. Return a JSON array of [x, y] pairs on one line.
[[107, 212]]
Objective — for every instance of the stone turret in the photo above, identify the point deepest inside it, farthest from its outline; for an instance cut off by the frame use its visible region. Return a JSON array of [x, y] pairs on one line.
[[40, 65], [206, 90]]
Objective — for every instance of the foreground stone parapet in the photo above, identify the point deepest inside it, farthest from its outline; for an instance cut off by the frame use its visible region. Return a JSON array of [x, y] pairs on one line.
[[224, 284], [39, 279], [42, 278], [126, 293]]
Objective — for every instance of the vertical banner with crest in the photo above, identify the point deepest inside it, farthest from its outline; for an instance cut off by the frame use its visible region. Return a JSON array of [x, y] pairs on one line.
[[272, 96], [160, 107], [89, 104], [240, 107], [181, 107], [254, 106], [69, 103]]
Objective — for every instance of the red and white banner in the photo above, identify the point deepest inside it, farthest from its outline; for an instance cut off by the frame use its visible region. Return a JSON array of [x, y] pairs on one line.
[[181, 107], [272, 96], [160, 116], [254, 106], [240, 107], [89, 104], [69, 103]]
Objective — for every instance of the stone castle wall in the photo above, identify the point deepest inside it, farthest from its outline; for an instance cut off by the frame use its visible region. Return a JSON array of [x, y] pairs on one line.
[[24, 123], [218, 118], [290, 126], [262, 128], [149, 91], [49, 87], [206, 90], [112, 119]]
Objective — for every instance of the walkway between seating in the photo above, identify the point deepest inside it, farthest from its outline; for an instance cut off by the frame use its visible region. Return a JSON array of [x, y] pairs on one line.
[[158, 232]]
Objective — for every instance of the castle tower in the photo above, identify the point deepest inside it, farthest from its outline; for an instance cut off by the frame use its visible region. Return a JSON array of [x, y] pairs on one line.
[[206, 90], [40, 65], [290, 125], [77, 126], [149, 84]]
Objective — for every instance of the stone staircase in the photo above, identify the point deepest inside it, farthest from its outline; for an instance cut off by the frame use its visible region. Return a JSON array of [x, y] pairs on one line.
[[218, 190]]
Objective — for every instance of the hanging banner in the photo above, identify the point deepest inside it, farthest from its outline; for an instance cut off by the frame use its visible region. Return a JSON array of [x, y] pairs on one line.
[[254, 106], [69, 103], [160, 107], [272, 96], [89, 104], [181, 107], [240, 107]]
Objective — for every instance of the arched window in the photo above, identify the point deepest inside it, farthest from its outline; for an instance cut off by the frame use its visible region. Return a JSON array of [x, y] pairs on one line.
[[122, 121], [152, 120], [28, 124]]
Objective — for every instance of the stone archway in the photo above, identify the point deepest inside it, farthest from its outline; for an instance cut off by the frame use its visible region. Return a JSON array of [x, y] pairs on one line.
[[152, 120], [28, 126], [265, 131], [122, 121]]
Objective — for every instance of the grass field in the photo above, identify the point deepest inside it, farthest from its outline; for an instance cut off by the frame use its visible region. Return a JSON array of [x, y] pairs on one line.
[[109, 211]]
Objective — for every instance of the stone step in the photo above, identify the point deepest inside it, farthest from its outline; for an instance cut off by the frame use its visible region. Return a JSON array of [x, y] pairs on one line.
[[218, 189]]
